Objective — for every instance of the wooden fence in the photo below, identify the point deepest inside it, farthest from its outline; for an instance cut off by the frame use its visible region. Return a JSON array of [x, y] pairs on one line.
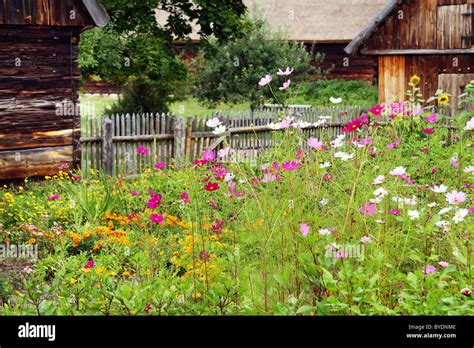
[[111, 142]]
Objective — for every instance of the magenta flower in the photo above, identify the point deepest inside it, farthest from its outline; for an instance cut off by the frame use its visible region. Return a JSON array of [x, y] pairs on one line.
[[366, 142], [395, 212], [204, 255], [434, 171], [160, 165], [304, 229], [213, 204], [89, 265], [142, 150], [377, 110], [185, 198], [432, 118], [290, 166], [394, 145], [209, 156], [471, 210], [135, 193], [156, 218], [285, 85], [355, 125], [368, 209], [429, 270], [154, 201], [54, 198], [428, 130]]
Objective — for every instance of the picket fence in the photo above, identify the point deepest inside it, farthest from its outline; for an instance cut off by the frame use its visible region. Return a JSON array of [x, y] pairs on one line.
[[110, 142]]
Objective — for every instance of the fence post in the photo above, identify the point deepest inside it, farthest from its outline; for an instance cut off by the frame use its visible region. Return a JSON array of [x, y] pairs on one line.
[[179, 140], [107, 146], [189, 139]]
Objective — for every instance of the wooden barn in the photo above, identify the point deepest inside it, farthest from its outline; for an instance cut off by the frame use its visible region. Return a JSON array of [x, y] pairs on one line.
[[433, 39], [39, 77]]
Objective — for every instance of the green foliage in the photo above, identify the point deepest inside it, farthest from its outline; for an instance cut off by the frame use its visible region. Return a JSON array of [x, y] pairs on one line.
[[356, 93], [230, 72]]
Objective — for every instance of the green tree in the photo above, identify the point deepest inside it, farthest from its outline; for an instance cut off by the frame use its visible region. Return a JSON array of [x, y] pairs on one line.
[[136, 52], [230, 72]]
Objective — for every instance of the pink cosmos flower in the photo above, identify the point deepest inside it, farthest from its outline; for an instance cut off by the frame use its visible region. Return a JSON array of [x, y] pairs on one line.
[[394, 145], [342, 255], [54, 198], [395, 212], [366, 240], [454, 162], [428, 130], [304, 229], [63, 166], [471, 210], [455, 197], [429, 270], [397, 108], [27, 269], [285, 85], [287, 72], [134, 193], [432, 118], [315, 144], [299, 154], [224, 152], [377, 110], [89, 265], [185, 198], [290, 166], [160, 165], [213, 204], [142, 150], [269, 177], [368, 209], [366, 142], [443, 264], [286, 123], [156, 218], [265, 80], [209, 155]]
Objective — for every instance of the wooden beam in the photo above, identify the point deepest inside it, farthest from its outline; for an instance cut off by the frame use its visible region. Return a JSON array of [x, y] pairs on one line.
[[417, 52]]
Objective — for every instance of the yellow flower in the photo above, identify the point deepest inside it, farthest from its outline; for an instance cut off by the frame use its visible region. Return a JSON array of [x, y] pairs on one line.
[[32, 241], [415, 80], [443, 99], [112, 274], [100, 270], [126, 274], [197, 295], [73, 281], [86, 270]]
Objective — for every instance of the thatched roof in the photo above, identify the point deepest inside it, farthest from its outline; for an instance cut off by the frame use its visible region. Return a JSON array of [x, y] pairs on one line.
[[312, 20], [97, 12], [354, 46]]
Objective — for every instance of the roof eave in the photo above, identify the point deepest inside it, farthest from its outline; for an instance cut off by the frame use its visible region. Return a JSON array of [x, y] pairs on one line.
[[97, 12], [355, 44]]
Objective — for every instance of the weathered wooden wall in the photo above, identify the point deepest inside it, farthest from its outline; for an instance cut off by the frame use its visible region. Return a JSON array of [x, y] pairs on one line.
[[408, 43], [342, 65], [39, 80]]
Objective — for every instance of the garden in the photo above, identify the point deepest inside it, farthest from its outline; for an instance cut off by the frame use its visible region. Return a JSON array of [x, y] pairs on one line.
[[376, 221]]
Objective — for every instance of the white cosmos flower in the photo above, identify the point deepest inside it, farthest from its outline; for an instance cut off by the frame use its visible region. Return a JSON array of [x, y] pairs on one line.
[[379, 180], [229, 177], [413, 214], [445, 210], [469, 169], [213, 123], [460, 215], [301, 124], [325, 165], [439, 189], [381, 192], [274, 126], [377, 200], [320, 123], [469, 125], [324, 232], [335, 100], [432, 205], [219, 130], [344, 156], [409, 201], [397, 199], [338, 142], [442, 224], [324, 201], [399, 171]]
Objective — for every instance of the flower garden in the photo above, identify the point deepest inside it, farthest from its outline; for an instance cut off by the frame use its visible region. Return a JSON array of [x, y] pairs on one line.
[[378, 221]]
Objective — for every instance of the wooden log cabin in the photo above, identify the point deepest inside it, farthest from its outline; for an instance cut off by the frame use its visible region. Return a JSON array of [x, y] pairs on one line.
[[429, 38], [39, 80]]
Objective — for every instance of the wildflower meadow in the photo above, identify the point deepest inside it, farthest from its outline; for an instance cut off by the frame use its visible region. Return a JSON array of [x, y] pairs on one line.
[[377, 221]]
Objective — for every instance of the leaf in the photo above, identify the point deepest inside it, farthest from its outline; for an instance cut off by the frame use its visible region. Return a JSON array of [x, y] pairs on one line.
[[305, 309]]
